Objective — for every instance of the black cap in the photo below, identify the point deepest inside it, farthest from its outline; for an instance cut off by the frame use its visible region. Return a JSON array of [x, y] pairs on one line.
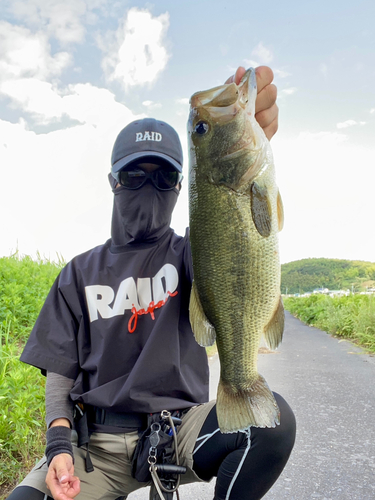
[[146, 138]]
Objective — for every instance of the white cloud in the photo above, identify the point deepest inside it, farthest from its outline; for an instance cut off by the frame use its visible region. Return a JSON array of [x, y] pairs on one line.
[[29, 77], [324, 138], [55, 190], [29, 73], [289, 91], [280, 73], [182, 108], [82, 102], [35, 96], [138, 54], [260, 51], [95, 106], [151, 104], [184, 101], [61, 19], [372, 110], [346, 124], [27, 54]]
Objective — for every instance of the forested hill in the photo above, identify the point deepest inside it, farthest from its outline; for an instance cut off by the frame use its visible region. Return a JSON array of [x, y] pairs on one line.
[[305, 275]]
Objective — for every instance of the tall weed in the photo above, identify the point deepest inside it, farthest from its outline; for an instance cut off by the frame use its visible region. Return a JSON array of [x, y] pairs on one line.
[[351, 317], [24, 285]]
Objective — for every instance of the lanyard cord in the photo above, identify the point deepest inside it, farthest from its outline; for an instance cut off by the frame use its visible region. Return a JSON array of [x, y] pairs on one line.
[[165, 414]]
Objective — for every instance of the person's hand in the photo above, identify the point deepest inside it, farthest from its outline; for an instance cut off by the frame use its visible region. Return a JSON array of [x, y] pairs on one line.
[[60, 478], [266, 110]]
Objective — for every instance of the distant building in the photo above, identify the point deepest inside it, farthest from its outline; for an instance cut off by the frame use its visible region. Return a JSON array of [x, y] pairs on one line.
[[339, 293]]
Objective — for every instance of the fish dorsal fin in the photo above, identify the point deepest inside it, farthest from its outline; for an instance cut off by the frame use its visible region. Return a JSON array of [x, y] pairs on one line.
[[280, 211], [261, 209], [204, 331], [273, 332]]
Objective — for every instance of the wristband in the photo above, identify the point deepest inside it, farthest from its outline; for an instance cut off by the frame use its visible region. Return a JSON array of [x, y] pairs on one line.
[[58, 441]]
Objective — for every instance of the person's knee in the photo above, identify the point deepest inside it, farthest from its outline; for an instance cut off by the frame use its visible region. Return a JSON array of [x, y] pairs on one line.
[[277, 443], [281, 440], [27, 493], [288, 425]]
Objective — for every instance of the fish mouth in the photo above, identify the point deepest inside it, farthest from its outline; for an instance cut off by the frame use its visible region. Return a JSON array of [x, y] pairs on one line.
[[224, 102], [218, 97], [220, 105]]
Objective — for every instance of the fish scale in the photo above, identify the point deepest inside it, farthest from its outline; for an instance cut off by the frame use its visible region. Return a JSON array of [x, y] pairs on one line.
[[235, 215]]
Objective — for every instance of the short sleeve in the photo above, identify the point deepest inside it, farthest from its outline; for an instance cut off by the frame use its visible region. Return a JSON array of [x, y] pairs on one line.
[[52, 345]]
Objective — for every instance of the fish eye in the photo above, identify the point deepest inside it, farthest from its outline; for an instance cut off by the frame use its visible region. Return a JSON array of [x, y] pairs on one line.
[[201, 128]]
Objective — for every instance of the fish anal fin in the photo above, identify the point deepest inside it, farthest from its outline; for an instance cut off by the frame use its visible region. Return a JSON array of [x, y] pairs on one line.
[[204, 331], [238, 410], [261, 209], [273, 332], [280, 211]]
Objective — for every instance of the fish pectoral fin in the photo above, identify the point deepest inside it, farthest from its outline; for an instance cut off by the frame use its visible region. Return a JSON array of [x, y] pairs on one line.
[[204, 331], [261, 209], [273, 333], [280, 211]]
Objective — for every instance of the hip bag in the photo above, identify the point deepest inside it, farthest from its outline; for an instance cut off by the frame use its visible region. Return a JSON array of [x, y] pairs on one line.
[[156, 454]]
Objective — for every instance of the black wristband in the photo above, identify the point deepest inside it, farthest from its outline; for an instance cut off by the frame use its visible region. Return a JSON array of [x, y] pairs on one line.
[[58, 441]]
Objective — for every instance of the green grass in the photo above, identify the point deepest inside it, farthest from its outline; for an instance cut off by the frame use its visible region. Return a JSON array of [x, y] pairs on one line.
[[351, 317], [24, 285]]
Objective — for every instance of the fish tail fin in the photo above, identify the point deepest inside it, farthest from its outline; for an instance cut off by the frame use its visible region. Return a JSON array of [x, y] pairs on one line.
[[273, 332], [239, 409], [204, 331]]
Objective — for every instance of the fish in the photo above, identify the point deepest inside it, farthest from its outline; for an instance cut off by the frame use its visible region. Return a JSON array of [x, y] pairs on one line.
[[235, 215]]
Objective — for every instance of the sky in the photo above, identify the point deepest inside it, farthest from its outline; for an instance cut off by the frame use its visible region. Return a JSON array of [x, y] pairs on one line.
[[73, 73]]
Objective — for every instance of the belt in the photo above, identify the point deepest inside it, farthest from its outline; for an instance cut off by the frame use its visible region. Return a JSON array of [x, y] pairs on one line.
[[104, 417]]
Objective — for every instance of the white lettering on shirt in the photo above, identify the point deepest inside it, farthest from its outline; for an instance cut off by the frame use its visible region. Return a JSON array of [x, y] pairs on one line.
[[98, 299], [140, 297]]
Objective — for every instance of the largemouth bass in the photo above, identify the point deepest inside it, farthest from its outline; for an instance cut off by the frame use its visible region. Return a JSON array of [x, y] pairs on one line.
[[235, 216]]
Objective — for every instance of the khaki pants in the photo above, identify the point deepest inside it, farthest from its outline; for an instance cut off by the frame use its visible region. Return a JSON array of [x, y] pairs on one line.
[[111, 456]]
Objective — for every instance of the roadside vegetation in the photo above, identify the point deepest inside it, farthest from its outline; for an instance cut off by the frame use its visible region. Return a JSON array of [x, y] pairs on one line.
[[24, 285], [351, 317]]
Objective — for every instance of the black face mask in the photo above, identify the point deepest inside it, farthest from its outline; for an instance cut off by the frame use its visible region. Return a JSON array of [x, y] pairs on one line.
[[141, 215]]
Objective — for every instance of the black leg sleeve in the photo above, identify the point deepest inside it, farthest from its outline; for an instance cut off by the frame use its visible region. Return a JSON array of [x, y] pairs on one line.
[[246, 463], [27, 493]]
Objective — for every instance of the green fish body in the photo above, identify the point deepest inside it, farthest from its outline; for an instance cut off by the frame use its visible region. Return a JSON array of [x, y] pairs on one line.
[[235, 216]]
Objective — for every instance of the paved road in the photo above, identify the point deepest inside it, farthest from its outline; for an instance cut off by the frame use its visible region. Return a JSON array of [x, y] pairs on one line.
[[330, 385]]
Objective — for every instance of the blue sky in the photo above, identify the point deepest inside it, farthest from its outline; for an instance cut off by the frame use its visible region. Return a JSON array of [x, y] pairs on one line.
[[73, 73]]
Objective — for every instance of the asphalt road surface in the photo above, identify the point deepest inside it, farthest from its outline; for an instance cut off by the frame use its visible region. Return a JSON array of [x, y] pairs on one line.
[[330, 384]]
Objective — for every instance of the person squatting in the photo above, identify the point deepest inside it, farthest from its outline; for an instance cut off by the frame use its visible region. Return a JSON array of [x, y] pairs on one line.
[[115, 342]]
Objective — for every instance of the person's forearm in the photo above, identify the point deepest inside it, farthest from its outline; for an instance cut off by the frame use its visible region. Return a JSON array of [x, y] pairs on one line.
[[59, 416], [59, 407]]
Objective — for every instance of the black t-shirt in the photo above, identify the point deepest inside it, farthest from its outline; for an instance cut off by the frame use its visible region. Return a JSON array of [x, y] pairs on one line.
[[117, 322]]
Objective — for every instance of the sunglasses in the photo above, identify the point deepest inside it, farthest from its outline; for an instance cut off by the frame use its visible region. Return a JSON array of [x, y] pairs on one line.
[[164, 179]]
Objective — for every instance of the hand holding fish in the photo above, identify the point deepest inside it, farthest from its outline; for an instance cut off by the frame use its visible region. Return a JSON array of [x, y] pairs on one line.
[[266, 110]]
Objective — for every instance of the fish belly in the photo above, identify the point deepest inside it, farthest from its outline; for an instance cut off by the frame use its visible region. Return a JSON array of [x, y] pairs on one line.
[[236, 280]]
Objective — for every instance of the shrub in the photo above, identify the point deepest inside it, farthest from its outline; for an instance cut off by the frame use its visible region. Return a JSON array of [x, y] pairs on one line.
[[352, 317]]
